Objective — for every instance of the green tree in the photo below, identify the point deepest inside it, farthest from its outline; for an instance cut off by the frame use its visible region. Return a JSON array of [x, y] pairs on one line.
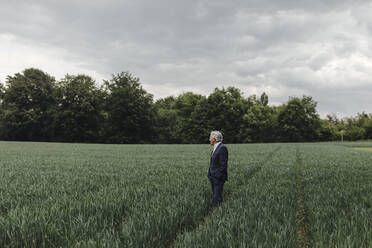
[[79, 114], [186, 105], [2, 90], [166, 121], [368, 128], [129, 110], [225, 111], [264, 99], [258, 120], [364, 121], [328, 131], [355, 128], [201, 126], [28, 105], [175, 118], [354, 132], [299, 121]]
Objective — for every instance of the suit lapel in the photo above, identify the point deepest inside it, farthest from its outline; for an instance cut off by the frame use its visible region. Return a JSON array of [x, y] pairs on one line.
[[217, 148]]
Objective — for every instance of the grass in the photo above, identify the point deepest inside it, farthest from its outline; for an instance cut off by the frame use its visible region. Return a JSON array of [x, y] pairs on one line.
[[92, 195], [368, 149]]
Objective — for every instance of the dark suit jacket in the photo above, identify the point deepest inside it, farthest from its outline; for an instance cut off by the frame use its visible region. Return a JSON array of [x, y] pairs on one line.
[[218, 165]]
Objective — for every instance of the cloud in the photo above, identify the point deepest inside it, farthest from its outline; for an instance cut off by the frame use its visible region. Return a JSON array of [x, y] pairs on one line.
[[285, 48], [18, 55]]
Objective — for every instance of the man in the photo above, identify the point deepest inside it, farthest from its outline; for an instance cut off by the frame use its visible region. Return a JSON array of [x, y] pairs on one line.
[[217, 173]]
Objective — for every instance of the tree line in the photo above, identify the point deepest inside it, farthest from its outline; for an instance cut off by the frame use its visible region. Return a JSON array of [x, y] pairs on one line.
[[36, 107]]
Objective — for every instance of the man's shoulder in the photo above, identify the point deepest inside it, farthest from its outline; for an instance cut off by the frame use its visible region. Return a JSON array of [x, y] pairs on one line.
[[222, 146]]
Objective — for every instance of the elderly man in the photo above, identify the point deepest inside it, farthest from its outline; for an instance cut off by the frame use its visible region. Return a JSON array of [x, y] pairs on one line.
[[217, 173]]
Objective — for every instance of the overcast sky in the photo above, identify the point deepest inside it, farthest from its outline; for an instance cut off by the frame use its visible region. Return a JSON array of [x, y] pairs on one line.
[[285, 48]]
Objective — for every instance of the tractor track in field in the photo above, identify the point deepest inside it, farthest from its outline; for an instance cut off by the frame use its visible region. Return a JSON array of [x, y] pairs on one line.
[[302, 218], [250, 173], [254, 170]]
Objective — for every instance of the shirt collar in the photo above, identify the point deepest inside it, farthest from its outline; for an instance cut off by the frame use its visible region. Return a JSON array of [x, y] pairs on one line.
[[215, 145]]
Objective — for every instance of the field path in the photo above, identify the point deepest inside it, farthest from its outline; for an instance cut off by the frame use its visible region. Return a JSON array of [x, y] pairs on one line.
[[302, 221]]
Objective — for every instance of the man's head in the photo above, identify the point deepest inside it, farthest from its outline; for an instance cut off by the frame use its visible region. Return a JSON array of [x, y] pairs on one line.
[[215, 137]]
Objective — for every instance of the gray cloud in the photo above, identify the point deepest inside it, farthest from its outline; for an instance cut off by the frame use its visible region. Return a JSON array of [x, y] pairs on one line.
[[286, 48]]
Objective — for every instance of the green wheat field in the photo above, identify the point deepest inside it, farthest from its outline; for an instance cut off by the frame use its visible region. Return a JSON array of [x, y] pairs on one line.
[[93, 195]]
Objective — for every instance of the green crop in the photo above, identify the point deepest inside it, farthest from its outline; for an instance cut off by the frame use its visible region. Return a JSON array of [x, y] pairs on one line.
[[91, 195], [338, 194]]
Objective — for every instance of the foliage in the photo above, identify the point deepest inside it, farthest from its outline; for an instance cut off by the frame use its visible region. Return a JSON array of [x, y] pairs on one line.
[[129, 110], [354, 133], [225, 110], [34, 107], [299, 121], [175, 122], [367, 126], [328, 131], [258, 124], [264, 99], [27, 106], [166, 120], [79, 113]]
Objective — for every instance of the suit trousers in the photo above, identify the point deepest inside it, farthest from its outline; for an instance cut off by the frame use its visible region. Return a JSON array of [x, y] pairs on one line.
[[217, 187]]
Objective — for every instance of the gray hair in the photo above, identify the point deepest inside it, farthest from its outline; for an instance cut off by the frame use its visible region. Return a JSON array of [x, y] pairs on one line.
[[217, 135]]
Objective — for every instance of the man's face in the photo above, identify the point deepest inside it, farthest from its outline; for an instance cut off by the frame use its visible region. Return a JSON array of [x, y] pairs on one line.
[[212, 141]]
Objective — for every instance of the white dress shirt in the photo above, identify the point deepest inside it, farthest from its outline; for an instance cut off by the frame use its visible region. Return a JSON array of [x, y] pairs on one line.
[[215, 146]]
